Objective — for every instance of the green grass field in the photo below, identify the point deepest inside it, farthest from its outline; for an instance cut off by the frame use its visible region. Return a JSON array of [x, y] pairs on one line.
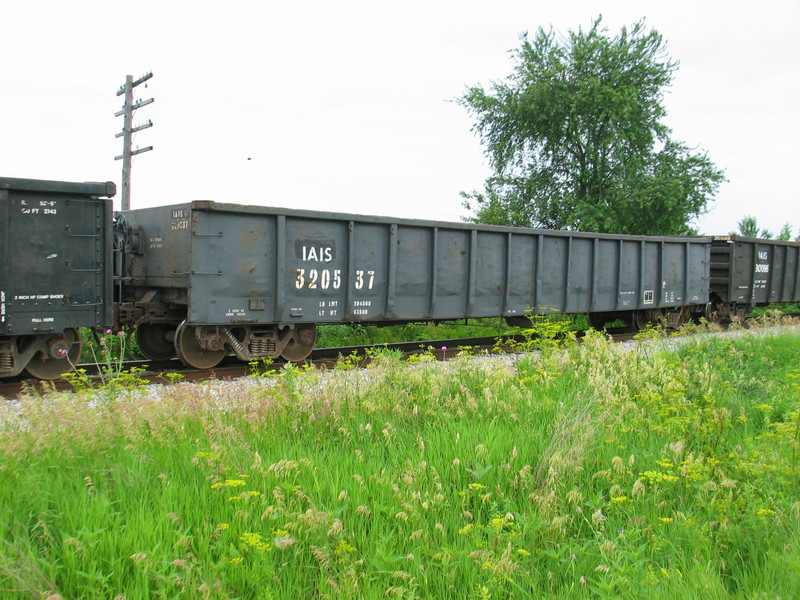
[[661, 470]]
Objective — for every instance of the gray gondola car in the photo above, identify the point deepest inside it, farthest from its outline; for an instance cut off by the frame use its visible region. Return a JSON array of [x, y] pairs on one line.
[[747, 272], [55, 275], [203, 279]]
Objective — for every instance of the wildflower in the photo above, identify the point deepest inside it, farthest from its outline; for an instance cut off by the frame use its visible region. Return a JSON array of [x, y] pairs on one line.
[[465, 530], [666, 519], [765, 512], [523, 552], [236, 560], [256, 540], [343, 548], [658, 477], [500, 523], [619, 499]]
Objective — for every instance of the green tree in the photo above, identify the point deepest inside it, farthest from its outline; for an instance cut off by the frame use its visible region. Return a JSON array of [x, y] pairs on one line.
[[576, 140], [748, 227]]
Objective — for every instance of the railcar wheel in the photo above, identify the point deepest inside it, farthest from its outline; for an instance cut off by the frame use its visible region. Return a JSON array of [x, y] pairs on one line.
[[597, 320], [711, 313], [648, 317], [740, 313], [156, 341], [59, 356], [677, 317], [300, 344], [519, 321], [192, 353]]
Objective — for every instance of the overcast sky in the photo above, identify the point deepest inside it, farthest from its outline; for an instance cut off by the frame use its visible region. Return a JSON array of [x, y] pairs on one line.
[[349, 106]]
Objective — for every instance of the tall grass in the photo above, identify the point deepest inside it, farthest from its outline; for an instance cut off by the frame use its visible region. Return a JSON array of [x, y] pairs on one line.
[[606, 471]]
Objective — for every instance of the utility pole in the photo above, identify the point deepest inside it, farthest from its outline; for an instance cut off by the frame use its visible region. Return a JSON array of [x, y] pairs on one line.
[[127, 133]]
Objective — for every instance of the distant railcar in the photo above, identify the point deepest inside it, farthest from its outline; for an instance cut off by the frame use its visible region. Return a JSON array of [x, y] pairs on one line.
[[205, 279], [746, 272], [55, 275]]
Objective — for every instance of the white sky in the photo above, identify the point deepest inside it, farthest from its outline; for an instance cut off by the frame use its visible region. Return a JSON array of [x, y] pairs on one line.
[[348, 106]]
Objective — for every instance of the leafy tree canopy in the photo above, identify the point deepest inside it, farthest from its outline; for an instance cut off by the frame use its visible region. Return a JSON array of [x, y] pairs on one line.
[[748, 227], [576, 139]]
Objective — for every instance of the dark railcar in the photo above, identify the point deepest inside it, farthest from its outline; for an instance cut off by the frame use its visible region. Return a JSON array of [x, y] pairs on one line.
[[204, 279], [55, 275], [747, 272]]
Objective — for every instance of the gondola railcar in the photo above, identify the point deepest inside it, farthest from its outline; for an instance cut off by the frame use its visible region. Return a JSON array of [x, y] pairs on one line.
[[55, 272], [746, 272], [204, 279]]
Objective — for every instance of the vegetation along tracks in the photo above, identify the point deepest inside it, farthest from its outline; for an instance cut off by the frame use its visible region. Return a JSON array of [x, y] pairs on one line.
[[149, 371], [131, 373]]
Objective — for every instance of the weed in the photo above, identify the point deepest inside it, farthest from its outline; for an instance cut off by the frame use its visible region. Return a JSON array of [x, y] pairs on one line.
[[654, 470]]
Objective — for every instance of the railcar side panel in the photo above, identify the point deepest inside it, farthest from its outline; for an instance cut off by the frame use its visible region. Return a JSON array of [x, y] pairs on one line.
[[520, 263], [491, 273], [317, 255], [414, 276]]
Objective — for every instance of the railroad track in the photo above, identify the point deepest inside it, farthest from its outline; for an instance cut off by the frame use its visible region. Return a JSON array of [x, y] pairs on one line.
[[152, 371]]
